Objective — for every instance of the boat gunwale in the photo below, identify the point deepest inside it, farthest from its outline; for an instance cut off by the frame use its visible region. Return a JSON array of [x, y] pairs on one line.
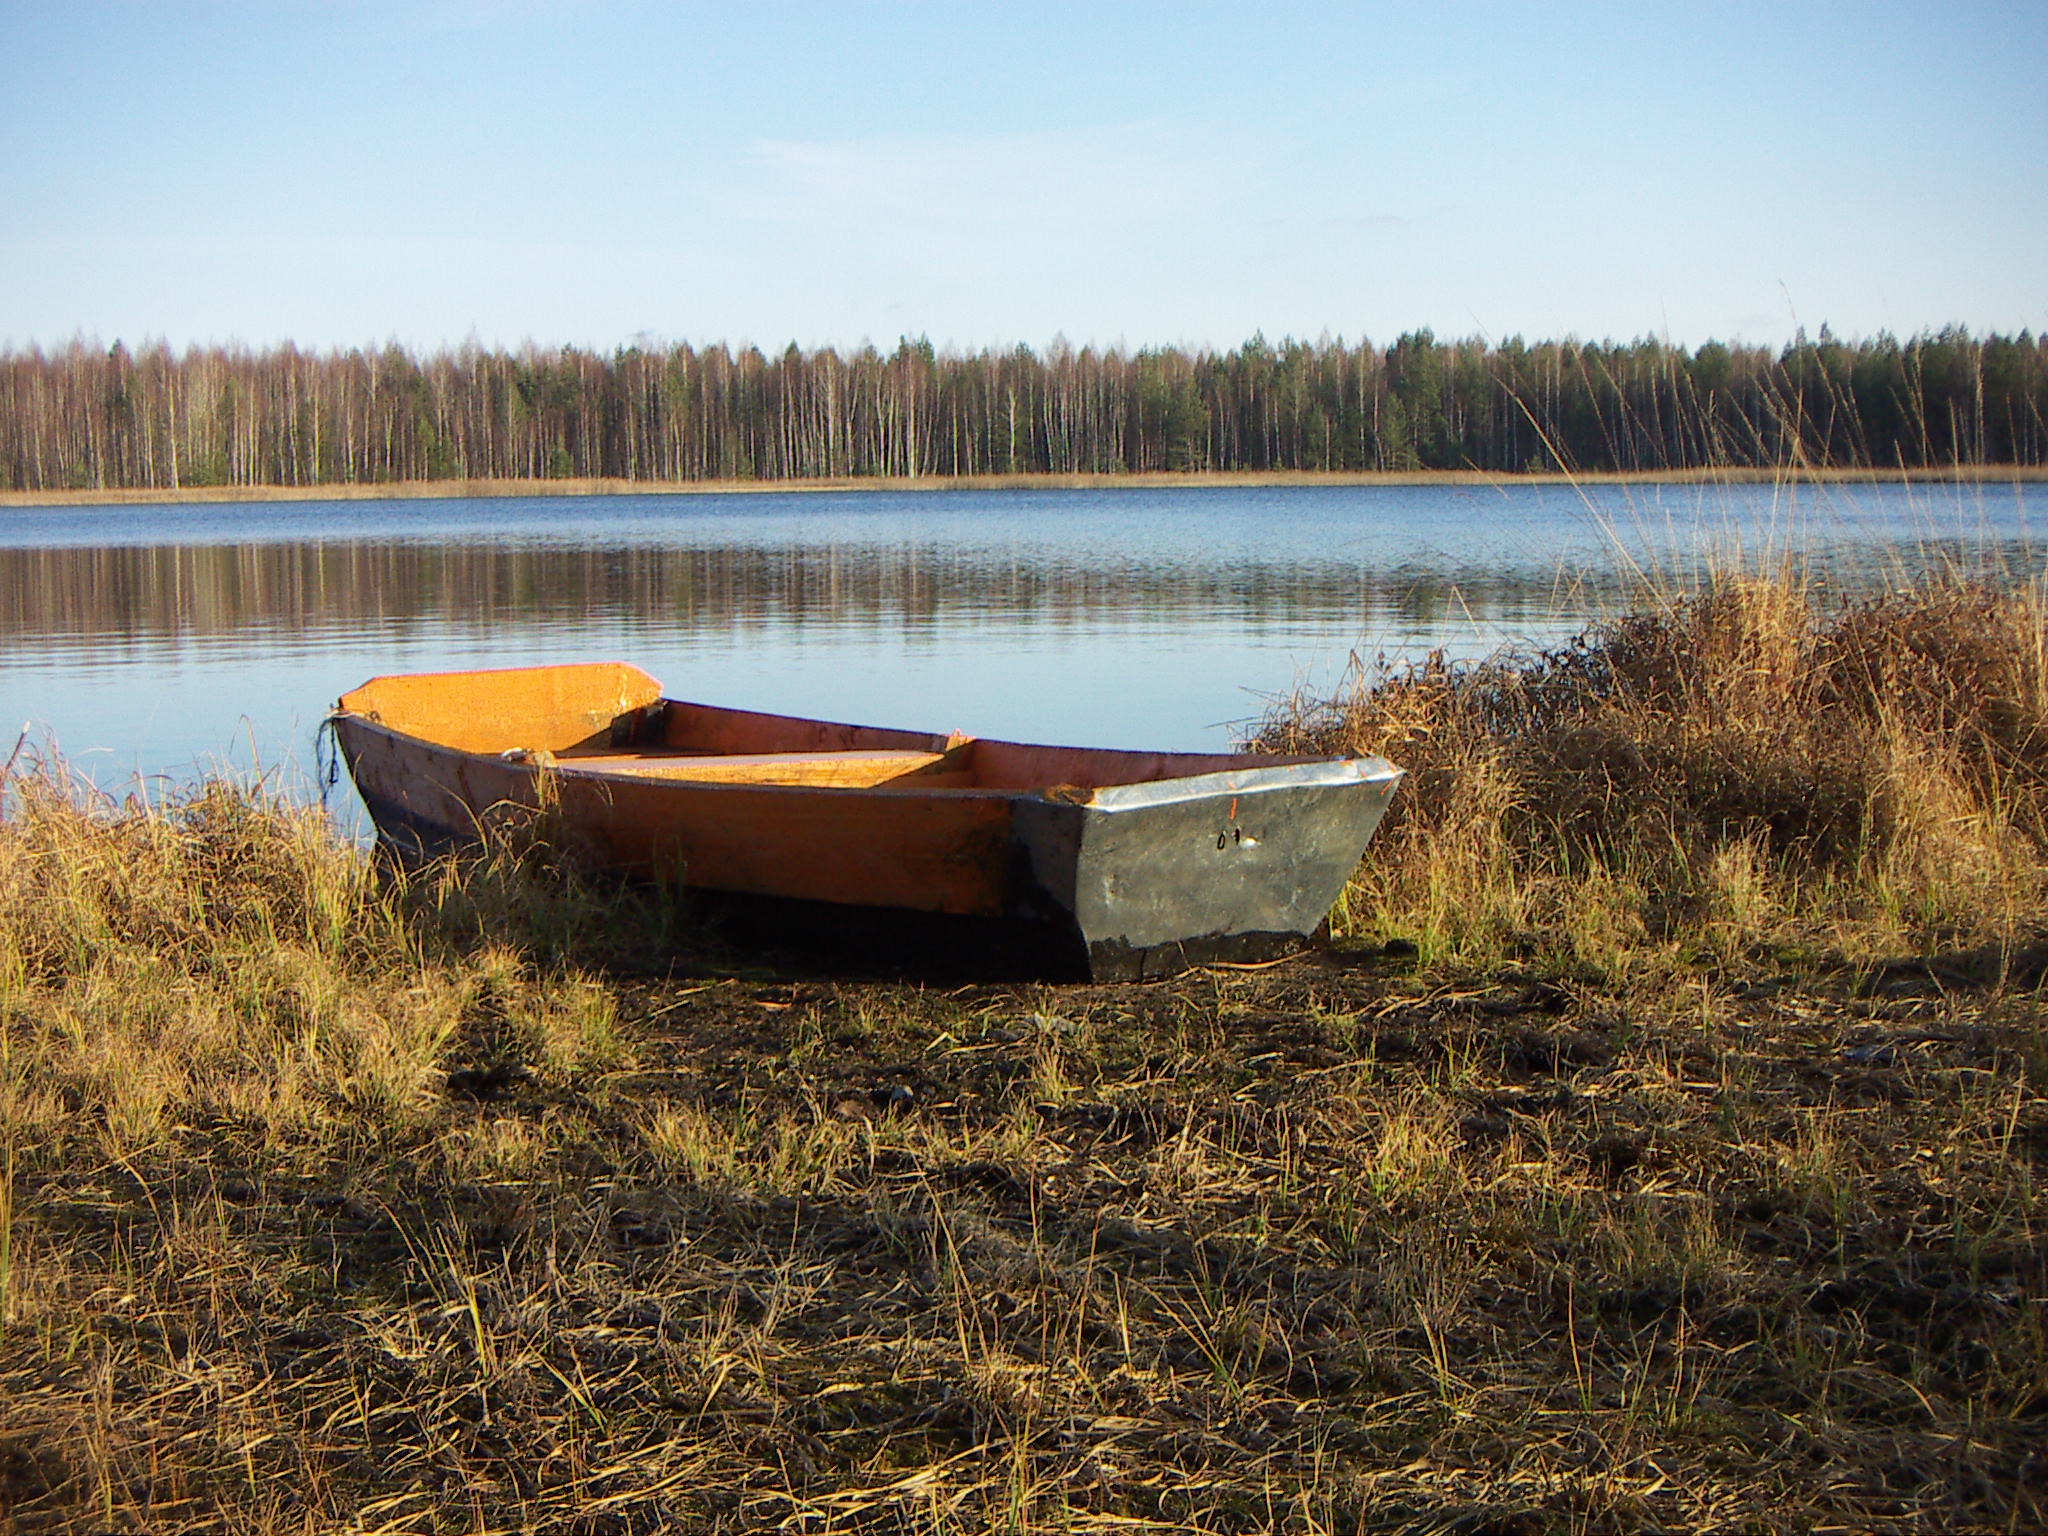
[[1260, 775]]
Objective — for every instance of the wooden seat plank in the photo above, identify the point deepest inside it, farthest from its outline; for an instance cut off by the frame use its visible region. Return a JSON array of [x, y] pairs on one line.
[[854, 769]]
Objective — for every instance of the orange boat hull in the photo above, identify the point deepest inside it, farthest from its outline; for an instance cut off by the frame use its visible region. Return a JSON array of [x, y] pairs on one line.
[[1149, 860]]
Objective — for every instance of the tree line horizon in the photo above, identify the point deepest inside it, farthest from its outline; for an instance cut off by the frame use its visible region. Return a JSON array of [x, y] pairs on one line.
[[82, 416]]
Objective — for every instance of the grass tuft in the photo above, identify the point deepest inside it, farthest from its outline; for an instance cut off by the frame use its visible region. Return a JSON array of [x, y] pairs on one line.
[[1756, 766]]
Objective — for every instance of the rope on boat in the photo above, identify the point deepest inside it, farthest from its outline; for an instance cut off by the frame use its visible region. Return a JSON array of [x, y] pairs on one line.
[[326, 758]]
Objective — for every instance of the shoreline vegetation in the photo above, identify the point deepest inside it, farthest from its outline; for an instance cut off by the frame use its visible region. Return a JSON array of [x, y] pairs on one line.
[[78, 417], [405, 490], [1657, 1145]]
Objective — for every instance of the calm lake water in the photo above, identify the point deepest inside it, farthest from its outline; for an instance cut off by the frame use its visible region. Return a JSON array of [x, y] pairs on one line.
[[163, 641]]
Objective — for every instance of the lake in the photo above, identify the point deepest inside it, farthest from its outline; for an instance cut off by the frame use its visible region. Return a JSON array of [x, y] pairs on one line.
[[167, 640]]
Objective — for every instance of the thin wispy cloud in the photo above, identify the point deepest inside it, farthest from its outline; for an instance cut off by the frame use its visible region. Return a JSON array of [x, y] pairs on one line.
[[1123, 174]]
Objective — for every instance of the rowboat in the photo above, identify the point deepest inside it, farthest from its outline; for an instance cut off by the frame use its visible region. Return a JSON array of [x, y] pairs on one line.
[[1142, 862]]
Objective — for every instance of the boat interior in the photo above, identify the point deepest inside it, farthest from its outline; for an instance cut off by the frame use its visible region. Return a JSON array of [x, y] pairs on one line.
[[610, 719]]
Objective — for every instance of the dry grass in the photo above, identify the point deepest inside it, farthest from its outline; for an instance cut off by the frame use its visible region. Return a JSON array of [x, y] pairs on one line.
[[335, 1201], [386, 490], [1748, 771]]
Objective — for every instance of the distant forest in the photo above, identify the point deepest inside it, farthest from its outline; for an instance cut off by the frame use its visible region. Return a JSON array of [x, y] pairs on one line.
[[84, 417]]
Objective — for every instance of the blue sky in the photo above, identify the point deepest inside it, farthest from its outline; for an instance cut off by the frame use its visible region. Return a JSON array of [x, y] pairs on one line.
[[590, 172]]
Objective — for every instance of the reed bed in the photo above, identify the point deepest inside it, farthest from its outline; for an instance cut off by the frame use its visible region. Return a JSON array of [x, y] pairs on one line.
[[1666, 1157], [1750, 770]]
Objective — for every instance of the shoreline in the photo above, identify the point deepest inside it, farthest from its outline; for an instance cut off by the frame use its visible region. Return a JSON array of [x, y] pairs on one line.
[[431, 490]]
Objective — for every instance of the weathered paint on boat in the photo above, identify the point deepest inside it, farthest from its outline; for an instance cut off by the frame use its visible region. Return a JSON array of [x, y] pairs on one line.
[[1147, 861]]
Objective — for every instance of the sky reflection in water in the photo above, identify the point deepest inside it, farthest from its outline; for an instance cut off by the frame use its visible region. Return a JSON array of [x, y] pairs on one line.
[[157, 640]]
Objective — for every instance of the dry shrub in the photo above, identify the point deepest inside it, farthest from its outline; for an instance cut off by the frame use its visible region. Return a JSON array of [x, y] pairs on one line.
[[224, 955], [220, 955], [1754, 763], [84, 875]]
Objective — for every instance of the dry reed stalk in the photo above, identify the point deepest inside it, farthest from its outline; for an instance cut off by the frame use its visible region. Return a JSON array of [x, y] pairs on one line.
[[1754, 761]]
